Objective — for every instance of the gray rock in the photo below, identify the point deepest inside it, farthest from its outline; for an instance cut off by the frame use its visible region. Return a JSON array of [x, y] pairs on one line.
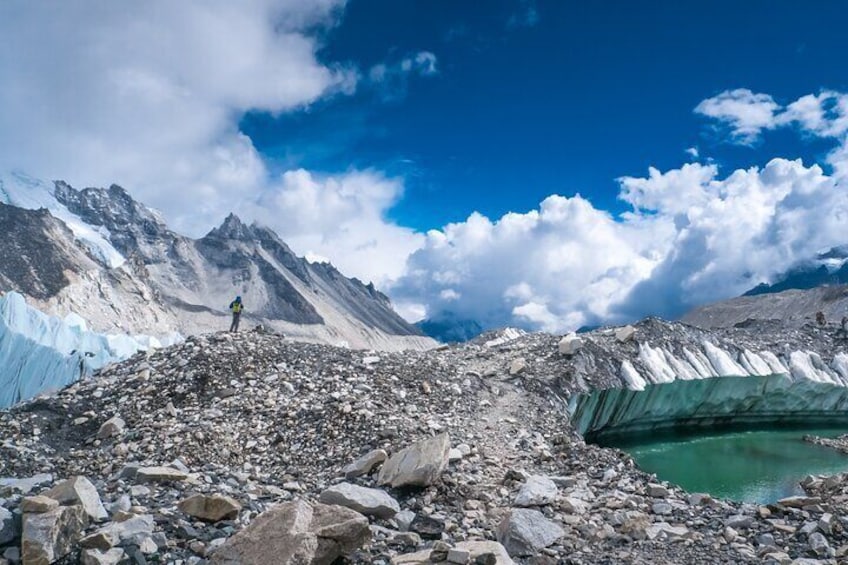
[[819, 545], [159, 474], [368, 501], [212, 508], [661, 508], [657, 491], [79, 490], [111, 427], [50, 535], [420, 464], [517, 366], [739, 522], [296, 533], [8, 527], [664, 529], [489, 552], [536, 491], [525, 532], [97, 557], [625, 333], [365, 464], [24, 486], [570, 344], [404, 519], [38, 504]]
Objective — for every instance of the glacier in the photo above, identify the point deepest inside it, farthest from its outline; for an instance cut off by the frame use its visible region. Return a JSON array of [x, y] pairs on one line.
[[41, 353]]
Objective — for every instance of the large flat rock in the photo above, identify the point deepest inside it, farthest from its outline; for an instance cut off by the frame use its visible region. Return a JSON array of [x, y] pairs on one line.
[[420, 464]]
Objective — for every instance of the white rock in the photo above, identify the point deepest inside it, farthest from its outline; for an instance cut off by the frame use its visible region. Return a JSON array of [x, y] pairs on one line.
[[111, 427], [365, 464], [570, 344], [79, 490], [368, 501], [420, 464], [536, 491], [517, 366], [625, 333], [525, 532]]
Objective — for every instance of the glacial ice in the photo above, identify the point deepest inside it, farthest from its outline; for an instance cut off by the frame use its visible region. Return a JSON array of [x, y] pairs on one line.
[[39, 353]]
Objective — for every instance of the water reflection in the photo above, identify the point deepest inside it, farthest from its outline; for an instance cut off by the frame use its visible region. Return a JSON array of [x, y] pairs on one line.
[[752, 466]]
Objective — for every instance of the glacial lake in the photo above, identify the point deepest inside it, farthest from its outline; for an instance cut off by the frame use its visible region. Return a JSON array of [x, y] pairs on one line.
[[748, 466]]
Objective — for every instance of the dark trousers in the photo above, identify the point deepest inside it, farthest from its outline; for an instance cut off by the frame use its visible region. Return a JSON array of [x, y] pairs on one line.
[[235, 324]]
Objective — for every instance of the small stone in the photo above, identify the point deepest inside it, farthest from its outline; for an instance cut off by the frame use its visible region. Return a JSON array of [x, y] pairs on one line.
[[427, 527], [537, 490], [460, 556], [159, 474], [525, 532], [819, 545], [212, 508], [38, 504], [367, 501], [517, 366], [96, 557], [570, 344], [658, 491], [8, 527], [625, 334], [365, 464], [112, 427], [404, 519]]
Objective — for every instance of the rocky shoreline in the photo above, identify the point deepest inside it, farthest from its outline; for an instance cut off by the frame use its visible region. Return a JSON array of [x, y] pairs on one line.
[[233, 448]]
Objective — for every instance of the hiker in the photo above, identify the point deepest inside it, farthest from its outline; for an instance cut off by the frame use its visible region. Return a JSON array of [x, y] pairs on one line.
[[820, 318], [236, 307], [842, 332]]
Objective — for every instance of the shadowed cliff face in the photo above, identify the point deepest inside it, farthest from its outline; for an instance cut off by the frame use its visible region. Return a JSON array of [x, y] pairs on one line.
[[37, 250]]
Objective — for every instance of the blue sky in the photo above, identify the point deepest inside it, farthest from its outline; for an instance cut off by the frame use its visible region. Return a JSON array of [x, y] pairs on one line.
[[532, 99], [438, 148]]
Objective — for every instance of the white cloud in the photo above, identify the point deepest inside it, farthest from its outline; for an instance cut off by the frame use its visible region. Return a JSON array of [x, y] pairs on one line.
[[824, 114], [745, 112], [692, 237], [149, 95], [341, 217], [693, 152]]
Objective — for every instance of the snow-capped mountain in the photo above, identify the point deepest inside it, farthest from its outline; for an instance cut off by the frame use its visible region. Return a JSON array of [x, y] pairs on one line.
[[827, 268], [113, 261]]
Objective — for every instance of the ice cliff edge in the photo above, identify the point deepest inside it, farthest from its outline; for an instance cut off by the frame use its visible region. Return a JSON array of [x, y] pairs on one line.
[[39, 353]]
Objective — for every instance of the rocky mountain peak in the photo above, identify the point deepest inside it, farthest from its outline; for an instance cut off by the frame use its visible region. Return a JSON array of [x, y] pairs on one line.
[[232, 228]]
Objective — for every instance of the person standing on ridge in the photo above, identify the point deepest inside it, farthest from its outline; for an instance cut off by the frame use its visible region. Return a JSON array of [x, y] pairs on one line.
[[236, 307]]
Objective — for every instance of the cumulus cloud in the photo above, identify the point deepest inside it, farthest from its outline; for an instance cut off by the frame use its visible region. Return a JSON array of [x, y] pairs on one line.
[[149, 95], [693, 236], [341, 217], [745, 112]]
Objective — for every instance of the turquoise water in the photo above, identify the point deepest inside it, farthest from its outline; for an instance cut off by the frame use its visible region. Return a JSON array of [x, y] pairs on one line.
[[748, 466]]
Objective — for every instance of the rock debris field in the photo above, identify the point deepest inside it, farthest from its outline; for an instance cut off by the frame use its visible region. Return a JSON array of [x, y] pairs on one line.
[[248, 448]]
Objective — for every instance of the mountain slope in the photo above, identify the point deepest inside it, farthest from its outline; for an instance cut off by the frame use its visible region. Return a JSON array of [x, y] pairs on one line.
[[792, 308], [125, 270]]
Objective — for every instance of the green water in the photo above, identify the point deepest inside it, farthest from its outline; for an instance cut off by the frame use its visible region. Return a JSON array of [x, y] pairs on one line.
[[750, 466]]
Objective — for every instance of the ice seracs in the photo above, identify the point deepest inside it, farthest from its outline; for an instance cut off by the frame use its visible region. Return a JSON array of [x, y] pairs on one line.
[[39, 353]]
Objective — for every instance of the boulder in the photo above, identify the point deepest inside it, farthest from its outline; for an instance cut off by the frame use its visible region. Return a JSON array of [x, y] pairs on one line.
[[296, 533], [517, 366], [50, 535], [38, 504], [536, 491], [159, 474], [8, 527], [489, 552], [625, 333], [570, 344], [111, 427], [212, 508], [79, 490], [10, 486], [365, 464], [368, 501], [418, 465], [525, 532]]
